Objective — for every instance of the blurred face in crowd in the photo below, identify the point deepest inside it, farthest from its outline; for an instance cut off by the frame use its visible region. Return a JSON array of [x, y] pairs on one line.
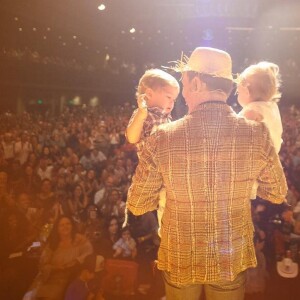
[[46, 186], [64, 227], [46, 151], [91, 174], [114, 196], [109, 182], [24, 201], [113, 226], [78, 191]]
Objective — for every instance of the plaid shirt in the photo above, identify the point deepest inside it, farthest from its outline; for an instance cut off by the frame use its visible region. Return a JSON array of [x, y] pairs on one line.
[[154, 118], [208, 162]]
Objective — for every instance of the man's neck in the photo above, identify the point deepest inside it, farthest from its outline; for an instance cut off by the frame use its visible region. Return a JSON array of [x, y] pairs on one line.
[[207, 97]]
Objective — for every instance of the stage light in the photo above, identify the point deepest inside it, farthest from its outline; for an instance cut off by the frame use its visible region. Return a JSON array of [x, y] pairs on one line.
[[74, 37], [132, 30], [76, 100], [107, 57], [34, 29], [20, 29], [94, 101], [16, 18], [101, 7]]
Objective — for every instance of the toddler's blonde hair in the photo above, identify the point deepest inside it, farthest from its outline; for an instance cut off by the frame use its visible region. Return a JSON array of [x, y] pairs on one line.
[[155, 79], [263, 80]]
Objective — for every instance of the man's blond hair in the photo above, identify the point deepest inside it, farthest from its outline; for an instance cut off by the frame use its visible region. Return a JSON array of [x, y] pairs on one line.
[[155, 79]]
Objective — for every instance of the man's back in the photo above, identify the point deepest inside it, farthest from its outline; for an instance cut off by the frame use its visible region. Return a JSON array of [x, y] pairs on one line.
[[208, 161]]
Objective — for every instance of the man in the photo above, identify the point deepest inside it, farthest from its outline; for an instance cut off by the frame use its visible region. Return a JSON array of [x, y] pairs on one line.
[[208, 162]]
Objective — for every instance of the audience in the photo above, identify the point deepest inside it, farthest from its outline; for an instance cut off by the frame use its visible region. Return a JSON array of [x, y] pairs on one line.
[[68, 174]]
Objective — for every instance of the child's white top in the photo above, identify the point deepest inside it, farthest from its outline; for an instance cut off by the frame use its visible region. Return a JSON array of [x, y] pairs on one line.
[[270, 114]]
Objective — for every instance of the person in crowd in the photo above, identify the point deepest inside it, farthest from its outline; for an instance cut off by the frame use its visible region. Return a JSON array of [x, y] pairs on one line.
[[98, 160], [125, 246], [111, 234], [22, 148], [86, 160], [100, 195], [78, 202], [91, 184], [45, 168], [31, 182], [114, 138], [82, 288], [7, 147], [207, 162], [113, 205], [16, 235], [64, 253]]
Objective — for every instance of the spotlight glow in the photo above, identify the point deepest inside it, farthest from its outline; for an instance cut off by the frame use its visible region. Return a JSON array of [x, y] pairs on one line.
[[132, 30], [101, 7]]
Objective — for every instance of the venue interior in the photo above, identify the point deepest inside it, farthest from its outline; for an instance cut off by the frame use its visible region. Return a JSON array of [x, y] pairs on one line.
[[69, 72]]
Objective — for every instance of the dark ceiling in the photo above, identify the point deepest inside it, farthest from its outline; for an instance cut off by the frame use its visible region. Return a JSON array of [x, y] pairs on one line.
[[71, 44]]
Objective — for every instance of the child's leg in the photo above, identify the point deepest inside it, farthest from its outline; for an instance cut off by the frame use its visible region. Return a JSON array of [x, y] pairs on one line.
[[161, 207]]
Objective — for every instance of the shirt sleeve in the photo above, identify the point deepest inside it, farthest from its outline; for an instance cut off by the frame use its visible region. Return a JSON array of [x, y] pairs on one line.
[[117, 244], [143, 194], [272, 184]]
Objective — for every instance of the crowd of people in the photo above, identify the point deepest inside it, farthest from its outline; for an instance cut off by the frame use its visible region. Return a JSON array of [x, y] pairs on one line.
[[63, 189]]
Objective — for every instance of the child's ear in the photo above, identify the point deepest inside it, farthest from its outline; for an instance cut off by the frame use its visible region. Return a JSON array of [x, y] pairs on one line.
[[149, 93]]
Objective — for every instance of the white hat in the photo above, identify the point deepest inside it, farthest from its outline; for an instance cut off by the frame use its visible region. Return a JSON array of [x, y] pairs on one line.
[[205, 60], [287, 268]]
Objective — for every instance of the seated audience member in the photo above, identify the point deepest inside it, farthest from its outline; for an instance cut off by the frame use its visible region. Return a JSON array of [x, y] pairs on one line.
[[84, 287], [31, 181], [78, 202], [125, 247], [65, 252], [44, 170], [16, 235], [110, 236], [93, 228], [113, 205]]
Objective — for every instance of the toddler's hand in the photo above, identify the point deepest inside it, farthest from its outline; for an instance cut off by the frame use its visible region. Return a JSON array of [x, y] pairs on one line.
[[142, 104]]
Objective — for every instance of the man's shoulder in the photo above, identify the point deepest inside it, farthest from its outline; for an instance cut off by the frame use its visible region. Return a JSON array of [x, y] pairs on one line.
[[175, 125]]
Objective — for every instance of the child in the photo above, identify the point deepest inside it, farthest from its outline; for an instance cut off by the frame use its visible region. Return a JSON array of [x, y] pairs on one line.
[[258, 94], [156, 94], [82, 287], [126, 245]]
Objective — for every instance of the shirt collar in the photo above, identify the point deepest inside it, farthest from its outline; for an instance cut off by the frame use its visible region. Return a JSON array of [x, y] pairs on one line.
[[214, 105], [159, 112]]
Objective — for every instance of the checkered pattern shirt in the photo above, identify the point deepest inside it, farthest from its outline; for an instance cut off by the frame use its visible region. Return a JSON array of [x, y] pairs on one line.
[[154, 118], [208, 162]]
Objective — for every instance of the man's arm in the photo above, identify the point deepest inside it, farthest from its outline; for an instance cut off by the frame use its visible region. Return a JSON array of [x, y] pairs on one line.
[[272, 184], [143, 194]]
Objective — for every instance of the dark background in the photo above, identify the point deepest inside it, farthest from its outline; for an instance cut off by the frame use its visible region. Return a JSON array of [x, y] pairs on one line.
[[52, 51]]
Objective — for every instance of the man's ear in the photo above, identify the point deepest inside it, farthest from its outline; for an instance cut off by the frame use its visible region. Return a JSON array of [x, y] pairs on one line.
[[197, 84]]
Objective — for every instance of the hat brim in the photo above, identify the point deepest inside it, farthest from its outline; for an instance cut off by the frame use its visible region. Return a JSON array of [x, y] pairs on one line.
[[291, 273], [181, 67]]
